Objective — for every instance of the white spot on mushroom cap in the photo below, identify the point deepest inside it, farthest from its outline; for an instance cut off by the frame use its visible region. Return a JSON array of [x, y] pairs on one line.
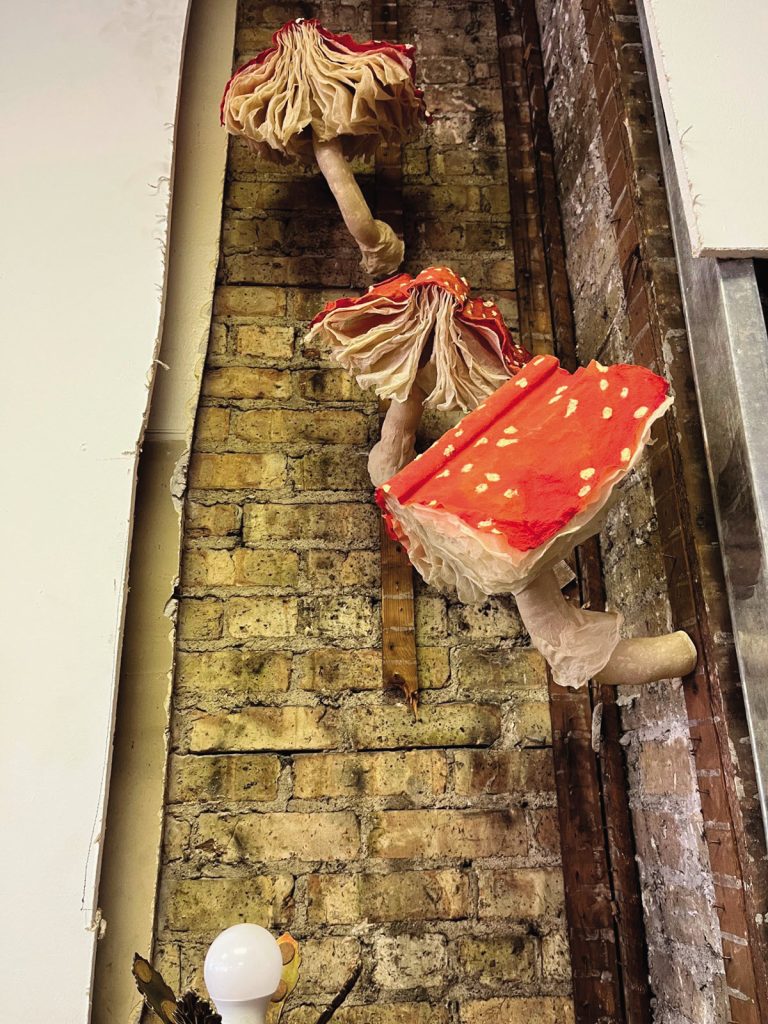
[[584, 491], [446, 472], [486, 522], [601, 368], [492, 477], [640, 412], [537, 360], [607, 412], [603, 385], [573, 405], [504, 441], [432, 503], [481, 487], [587, 474], [625, 454], [521, 382], [466, 468], [449, 450], [482, 440], [510, 493], [510, 430], [624, 392], [561, 389], [458, 433]]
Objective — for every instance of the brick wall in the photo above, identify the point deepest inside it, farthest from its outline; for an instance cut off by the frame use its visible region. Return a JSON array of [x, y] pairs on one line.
[[679, 898], [300, 795]]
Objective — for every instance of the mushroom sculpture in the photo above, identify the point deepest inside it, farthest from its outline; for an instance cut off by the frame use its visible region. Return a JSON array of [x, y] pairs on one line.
[[499, 500], [419, 341], [317, 96]]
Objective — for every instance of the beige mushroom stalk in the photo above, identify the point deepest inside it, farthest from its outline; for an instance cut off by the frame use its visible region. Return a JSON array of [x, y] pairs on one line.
[[316, 96], [420, 342], [498, 501]]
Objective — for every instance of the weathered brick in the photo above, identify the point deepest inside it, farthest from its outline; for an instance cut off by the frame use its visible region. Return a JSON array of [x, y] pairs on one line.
[[496, 618], [212, 424], [542, 1009], [375, 1013], [261, 616], [230, 472], [342, 524], [556, 957], [396, 896], [211, 520], [482, 671], [329, 670], [266, 728], [436, 725], [447, 833], [200, 618], [519, 894], [503, 771], [328, 386], [336, 618], [277, 836], [292, 426], [326, 964], [262, 341], [208, 905], [243, 301], [307, 303], [220, 567], [408, 961], [232, 777], [332, 470], [431, 619], [247, 382], [242, 672], [416, 773], [343, 569], [498, 959], [530, 725]]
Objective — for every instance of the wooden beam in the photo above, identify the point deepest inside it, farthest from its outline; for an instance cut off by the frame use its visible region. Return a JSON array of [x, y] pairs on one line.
[[602, 888], [398, 624]]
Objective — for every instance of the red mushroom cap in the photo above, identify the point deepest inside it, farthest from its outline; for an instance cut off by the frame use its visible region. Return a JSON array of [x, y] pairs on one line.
[[403, 53], [474, 313], [536, 459]]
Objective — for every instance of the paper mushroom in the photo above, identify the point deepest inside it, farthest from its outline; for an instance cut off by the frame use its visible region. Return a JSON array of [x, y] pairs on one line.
[[498, 501], [420, 341], [318, 96]]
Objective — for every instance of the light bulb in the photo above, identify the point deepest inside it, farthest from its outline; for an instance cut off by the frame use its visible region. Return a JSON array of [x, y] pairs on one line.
[[242, 971]]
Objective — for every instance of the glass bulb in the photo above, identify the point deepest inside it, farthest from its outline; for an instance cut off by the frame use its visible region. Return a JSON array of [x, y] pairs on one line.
[[243, 962]]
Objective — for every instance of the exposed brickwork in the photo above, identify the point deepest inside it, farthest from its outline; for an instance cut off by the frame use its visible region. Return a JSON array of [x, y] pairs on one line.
[[300, 794], [627, 306]]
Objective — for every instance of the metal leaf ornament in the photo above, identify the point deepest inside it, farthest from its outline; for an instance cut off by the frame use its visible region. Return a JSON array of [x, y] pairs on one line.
[[158, 995], [191, 1009]]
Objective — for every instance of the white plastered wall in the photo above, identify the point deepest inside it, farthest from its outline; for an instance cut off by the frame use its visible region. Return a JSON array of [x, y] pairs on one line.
[[713, 76], [89, 93]]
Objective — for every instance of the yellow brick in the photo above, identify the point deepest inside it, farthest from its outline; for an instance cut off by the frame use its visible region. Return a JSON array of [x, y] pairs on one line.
[[248, 617], [343, 568], [530, 725], [232, 777], [496, 618], [383, 727], [238, 300], [498, 671], [267, 728], [431, 619], [266, 342], [446, 833], [326, 964], [200, 619], [208, 905], [332, 470], [542, 1010], [335, 618], [329, 670], [277, 836], [236, 472], [307, 303], [212, 424], [416, 773], [520, 894], [242, 672], [503, 771], [499, 960], [219, 567], [291, 426], [343, 524], [397, 896], [375, 1013], [329, 386], [247, 382], [410, 961], [211, 520]]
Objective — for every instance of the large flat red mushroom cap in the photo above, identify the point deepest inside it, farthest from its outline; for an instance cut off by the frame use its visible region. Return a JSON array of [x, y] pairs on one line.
[[525, 477], [310, 78], [426, 330]]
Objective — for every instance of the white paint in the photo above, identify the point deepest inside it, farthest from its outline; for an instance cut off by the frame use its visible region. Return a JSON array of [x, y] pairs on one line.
[[90, 90], [713, 76]]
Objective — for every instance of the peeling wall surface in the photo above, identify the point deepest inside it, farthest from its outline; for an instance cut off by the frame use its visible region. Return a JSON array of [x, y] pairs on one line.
[[676, 876], [423, 854], [87, 154]]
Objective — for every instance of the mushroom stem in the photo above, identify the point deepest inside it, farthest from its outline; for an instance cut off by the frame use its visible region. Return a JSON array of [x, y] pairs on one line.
[[398, 435], [580, 644], [381, 248]]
